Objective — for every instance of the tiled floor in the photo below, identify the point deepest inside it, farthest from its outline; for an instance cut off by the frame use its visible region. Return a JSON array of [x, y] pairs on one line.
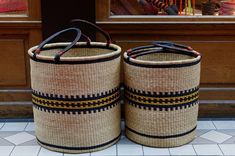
[[214, 137]]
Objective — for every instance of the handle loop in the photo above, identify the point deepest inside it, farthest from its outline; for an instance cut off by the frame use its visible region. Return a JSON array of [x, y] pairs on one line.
[[60, 53], [173, 46], [106, 35], [159, 46]]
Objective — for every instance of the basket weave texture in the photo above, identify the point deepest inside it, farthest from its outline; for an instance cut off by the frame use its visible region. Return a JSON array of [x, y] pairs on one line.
[[161, 98], [76, 101]]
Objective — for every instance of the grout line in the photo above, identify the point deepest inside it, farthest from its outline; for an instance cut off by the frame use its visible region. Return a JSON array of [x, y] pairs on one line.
[[227, 139], [12, 150], [169, 151], [194, 149], [214, 125], [39, 151], [220, 149], [8, 141], [2, 125], [116, 149], [143, 150], [26, 126]]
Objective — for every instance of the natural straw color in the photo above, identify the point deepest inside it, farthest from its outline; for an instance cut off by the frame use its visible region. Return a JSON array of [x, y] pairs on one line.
[[77, 100], [161, 101]]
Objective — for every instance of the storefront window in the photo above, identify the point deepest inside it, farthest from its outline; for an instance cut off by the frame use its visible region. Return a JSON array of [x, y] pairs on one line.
[[13, 7], [173, 7]]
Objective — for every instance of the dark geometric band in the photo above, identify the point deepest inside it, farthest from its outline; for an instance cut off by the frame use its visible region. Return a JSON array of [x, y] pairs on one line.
[[76, 104], [162, 107], [77, 111], [81, 148], [162, 94], [161, 137], [162, 101]]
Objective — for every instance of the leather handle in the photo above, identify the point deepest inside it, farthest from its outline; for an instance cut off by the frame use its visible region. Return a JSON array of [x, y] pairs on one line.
[[173, 46], [106, 35], [60, 53]]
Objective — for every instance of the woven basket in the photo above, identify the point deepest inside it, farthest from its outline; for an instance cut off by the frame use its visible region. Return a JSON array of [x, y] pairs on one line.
[[161, 94], [75, 97]]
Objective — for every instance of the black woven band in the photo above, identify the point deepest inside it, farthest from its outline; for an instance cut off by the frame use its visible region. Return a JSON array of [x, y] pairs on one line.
[[161, 137], [80, 148]]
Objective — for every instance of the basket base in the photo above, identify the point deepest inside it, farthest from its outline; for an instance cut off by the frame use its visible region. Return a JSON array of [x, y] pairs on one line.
[[74, 150], [161, 143]]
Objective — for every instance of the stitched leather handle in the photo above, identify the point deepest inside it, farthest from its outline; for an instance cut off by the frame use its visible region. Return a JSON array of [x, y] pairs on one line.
[[173, 46], [160, 46], [140, 49], [60, 53], [106, 35]]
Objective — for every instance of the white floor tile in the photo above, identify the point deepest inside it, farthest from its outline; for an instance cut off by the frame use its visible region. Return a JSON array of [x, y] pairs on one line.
[[199, 132], [228, 149], [224, 124], [25, 151], [124, 150], [30, 126], [205, 125], [183, 150], [45, 152], [230, 141], [14, 126], [227, 131], [111, 151], [83, 154], [5, 150], [20, 138], [148, 151], [216, 136], [208, 149], [4, 142], [199, 140]]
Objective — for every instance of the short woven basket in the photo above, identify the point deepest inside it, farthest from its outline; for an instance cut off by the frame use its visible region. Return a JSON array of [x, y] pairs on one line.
[[75, 97], [161, 94]]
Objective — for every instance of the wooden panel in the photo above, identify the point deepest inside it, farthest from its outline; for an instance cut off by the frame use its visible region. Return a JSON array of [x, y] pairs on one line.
[[217, 109], [15, 95], [16, 110], [217, 94], [12, 62], [17, 34], [218, 62]]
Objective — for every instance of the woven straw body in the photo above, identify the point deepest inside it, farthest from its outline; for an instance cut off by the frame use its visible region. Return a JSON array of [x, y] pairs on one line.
[[161, 98], [76, 100]]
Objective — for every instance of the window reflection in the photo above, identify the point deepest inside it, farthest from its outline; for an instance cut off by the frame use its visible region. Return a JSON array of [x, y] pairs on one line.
[[173, 7], [13, 6]]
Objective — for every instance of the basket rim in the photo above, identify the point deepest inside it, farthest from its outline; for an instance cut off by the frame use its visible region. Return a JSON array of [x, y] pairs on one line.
[[117, 51], [176, 63]]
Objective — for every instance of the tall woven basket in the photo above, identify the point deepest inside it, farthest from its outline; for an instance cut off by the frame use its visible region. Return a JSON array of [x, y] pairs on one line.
[[76, 94], [161, 94]]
